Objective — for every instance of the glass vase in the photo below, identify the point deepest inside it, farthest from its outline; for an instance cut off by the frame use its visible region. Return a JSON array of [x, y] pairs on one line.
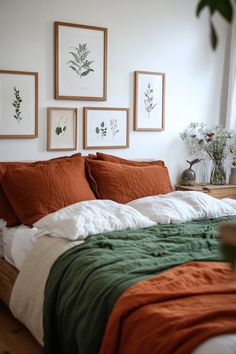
[[218, 175]]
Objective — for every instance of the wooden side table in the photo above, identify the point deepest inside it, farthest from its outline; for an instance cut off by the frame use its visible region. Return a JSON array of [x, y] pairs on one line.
[[217, 191]]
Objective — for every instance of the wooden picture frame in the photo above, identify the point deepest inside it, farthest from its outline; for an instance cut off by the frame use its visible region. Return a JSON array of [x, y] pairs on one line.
[[106, 128], [149, 101], [61, 129], [18, 104], [80, 54]]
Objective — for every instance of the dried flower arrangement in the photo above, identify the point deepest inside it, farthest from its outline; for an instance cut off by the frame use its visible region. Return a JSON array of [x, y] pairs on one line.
[[217, 143]]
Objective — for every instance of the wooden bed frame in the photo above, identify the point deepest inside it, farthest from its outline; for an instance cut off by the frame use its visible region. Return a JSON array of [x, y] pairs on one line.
[[8, 275]]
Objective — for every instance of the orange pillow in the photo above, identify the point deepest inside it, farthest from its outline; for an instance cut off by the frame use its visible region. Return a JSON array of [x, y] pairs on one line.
[[123, 183], [6, 211], [36, 191], [115, 159]]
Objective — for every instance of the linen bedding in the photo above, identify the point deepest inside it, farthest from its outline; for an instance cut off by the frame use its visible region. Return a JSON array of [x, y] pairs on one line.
[[87, 284]]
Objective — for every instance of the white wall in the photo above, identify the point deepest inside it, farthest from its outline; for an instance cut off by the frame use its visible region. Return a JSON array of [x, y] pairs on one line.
[[154, 35]]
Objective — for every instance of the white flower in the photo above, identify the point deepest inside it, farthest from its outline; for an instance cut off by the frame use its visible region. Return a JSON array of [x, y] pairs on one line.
[[216, 143]]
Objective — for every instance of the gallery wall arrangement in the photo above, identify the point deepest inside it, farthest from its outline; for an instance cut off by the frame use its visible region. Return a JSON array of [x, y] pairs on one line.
[[80, 73]]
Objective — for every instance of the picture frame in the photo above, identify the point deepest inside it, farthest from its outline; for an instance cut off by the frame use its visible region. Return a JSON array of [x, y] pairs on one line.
[[18, 104], [80, 54], [149, 101], [61, 129], [106, 128]]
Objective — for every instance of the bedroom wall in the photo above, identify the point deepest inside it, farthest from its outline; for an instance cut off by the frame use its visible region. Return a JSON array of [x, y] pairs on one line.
[[154, 35]]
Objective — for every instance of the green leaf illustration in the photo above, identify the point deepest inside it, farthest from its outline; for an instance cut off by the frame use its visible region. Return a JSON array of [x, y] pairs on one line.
[[17, 104], [148, 99], [58, 130], [79, 63]]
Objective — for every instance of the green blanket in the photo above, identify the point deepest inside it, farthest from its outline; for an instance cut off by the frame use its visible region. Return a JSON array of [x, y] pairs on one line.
[[85, 282]]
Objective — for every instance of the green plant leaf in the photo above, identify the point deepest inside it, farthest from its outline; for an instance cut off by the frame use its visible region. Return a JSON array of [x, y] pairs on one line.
[[97, 130], [86, 72], [84, 55], [77, 59], [201, 5], [73, 68], [58, 130], [214, 37], [102, 124], [73, 62], [225, 9]]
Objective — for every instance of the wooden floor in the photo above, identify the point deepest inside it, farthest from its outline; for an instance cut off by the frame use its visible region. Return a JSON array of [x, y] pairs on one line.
[[14, 337]]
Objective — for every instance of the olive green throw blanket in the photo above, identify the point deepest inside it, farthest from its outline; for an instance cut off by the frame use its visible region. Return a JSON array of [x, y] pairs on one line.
[[85, 282]]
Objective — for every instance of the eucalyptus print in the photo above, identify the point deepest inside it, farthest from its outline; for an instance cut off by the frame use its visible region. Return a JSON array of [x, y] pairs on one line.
[[101, 130], [17, 105], [148, 99], [79, 62]]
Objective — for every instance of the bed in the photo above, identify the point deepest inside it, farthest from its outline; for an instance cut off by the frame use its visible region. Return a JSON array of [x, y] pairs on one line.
[[115, 276]]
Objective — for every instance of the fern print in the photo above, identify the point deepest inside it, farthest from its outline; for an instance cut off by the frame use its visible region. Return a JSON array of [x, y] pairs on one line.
[[148, 100], [17, 105], [79, 62]]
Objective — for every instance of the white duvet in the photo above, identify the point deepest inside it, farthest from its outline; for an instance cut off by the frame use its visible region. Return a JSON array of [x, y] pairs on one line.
[[80, 220], [179, 207]]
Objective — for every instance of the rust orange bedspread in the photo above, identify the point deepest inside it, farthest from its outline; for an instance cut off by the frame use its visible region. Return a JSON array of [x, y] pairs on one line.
[[173, 312]]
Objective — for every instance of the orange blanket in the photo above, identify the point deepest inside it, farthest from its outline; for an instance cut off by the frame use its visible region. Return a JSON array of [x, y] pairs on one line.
[[173, 312]]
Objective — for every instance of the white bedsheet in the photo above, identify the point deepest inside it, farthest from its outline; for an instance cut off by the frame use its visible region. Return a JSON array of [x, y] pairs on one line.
[[17, 243], [225, 344]]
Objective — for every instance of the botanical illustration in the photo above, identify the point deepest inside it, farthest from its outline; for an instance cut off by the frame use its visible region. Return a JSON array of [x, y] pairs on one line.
[[61, 126], [148, 100], [101, 130], [17, 104], [79, 62], [114, 126]]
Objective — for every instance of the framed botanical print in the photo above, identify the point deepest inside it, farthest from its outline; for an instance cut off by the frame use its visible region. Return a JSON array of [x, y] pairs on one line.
[[80, 62], [62, 129], [18, 104], [106, 128], [149, 101]]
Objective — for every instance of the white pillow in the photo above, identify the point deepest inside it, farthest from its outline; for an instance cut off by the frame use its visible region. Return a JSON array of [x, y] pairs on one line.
[[79, 220], [181, 206]]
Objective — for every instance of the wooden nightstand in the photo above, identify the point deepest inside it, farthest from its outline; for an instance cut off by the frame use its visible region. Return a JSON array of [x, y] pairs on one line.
[[222, 191]]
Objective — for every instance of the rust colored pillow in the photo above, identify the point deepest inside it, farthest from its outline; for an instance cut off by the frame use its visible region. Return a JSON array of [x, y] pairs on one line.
[[115, 159], [6, 211], [123, 183]]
